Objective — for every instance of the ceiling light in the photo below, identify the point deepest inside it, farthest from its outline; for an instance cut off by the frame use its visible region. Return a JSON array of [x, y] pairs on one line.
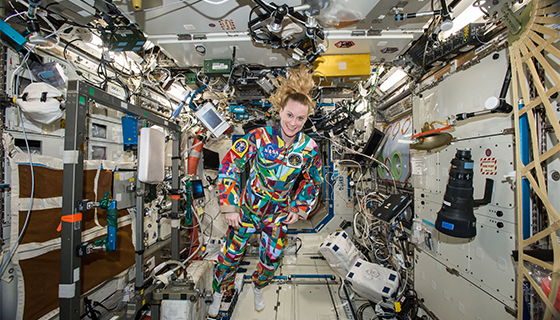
[[96, 40], [471, 14], [397, 76]]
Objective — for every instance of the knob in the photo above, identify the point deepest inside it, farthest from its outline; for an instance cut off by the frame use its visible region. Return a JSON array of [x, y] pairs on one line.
[[500, 224], [499, 213]]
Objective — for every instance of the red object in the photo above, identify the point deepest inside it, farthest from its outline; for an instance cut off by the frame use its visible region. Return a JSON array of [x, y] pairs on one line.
[[69, 218], [432, 131], [194, 155], [545, 284], [344, 44]]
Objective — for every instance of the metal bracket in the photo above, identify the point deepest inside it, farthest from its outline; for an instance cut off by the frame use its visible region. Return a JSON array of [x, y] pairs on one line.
[[86, 205]]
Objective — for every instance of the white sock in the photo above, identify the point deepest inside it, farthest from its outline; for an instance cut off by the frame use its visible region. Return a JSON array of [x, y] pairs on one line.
[[214, 308], [259, 298]]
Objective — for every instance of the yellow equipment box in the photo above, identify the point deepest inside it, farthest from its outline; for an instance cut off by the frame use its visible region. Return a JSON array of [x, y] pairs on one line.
[[333, 69]]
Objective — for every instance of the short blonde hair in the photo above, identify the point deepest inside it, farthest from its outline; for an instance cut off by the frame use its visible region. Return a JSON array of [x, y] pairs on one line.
[[295, 86]]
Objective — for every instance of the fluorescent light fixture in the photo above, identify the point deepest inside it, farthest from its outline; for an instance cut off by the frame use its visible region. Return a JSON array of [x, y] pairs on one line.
[[120, 59], [397, 76], [471, 14], [96, 40]]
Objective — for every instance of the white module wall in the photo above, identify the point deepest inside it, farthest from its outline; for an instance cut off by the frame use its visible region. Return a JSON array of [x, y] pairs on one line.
[[483, 265], [451, 297]]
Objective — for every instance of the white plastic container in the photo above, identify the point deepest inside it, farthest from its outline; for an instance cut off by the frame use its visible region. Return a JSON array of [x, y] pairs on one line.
[[151, 155], [340, 252], [372, 281]]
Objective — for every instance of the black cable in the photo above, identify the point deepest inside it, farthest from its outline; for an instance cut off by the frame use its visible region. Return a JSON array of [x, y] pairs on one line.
[[332, 298], [99, 304], [297, 248], [90, 311], [66, 47]]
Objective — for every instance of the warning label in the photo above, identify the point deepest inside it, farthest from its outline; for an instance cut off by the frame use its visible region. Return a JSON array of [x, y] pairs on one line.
[[489, 166]]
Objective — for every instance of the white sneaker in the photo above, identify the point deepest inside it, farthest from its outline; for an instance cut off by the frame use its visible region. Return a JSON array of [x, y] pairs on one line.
[[214, 308], [259, 299]]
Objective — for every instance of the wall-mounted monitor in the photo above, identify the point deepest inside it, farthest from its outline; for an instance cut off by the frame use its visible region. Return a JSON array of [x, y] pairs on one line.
[[375, 143], [211, 159], [212, 120], [372, 148]]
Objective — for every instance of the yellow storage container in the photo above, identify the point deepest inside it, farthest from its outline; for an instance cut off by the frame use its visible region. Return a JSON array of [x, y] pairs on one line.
[[333, 69]]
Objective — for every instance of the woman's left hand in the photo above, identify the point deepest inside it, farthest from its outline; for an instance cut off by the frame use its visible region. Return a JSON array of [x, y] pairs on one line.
[[292, 218]]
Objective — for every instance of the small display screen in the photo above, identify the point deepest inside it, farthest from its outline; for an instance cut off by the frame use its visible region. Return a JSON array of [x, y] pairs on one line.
[[374, 142], [212, 118], [197, 189], [211, 159]]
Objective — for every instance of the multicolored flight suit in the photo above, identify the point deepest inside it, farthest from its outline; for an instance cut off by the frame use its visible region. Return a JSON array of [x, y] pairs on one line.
[[265, 200]]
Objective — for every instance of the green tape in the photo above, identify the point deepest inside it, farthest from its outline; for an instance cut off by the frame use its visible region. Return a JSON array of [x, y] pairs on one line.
[[91, 91], [112, 218], [380, 168], [396, 168], [145, 114], [82, 100]]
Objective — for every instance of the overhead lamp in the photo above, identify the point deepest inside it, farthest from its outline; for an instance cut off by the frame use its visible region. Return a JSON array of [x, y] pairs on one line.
[[470, 15], [456, 217], [96, 40]]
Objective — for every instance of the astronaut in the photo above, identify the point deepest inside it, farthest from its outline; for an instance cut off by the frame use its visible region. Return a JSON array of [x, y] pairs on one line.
[[266, 204]]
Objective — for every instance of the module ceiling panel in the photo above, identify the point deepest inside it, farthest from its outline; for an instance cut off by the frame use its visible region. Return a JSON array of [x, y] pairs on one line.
[[225, 25]]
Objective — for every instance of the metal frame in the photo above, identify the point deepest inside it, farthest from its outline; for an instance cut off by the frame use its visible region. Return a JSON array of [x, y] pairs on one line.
[[79, 94], [531, 45]]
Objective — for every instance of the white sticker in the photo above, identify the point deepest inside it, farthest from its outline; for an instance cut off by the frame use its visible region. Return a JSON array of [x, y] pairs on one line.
[[447, 203], [66, 290], [342, 65], [124, 105], [219, 66], [118, 197], [70, 156], [151, 263], [76, 274], [488, 166], [166, 123], [417, 164], [175, 223]]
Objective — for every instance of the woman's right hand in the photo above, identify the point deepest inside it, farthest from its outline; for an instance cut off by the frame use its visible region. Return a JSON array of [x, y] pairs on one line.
[[233, 219]]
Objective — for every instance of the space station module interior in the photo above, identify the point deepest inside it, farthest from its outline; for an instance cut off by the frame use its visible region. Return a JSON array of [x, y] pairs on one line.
[[436, 125]]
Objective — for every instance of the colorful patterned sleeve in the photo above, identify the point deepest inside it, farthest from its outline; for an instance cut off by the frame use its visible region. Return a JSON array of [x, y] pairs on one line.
[[308, 189], [233, 164]]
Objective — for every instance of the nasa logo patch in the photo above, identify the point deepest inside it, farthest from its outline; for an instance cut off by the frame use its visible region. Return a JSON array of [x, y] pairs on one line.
[[240, 147], [295, 160], [271, 151]]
